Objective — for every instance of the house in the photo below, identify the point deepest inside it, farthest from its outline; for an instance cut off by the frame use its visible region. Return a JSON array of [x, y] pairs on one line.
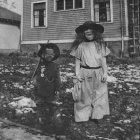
[[56, 20], [9, 30]]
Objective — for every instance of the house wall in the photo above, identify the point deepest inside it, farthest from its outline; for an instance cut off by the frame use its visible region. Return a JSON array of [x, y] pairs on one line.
[[61, 25], [9, 37]]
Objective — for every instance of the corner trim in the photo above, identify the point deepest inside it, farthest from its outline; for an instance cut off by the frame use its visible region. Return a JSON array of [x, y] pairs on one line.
[[21, 28], [126, 17]]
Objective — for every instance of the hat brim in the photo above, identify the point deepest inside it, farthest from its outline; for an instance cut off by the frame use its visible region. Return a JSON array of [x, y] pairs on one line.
[[49, 46], [96, 27]]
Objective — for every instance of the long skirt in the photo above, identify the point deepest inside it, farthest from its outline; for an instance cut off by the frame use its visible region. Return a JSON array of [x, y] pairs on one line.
[[94, 96]]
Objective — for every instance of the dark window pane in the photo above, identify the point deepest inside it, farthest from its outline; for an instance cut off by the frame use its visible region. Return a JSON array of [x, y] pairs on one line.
[[131, 34], [136, 28], [98, 1], [78, 4], [69, 4], [131, 42], [130, 1], [137, 34], [59, 4], [39, 14], [136, 41], [136, 8], [136, 2], [38, 6], [102, 12], [41, 18]]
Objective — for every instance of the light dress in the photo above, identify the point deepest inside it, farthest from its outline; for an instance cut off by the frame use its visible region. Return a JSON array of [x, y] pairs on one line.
[[94, 93]]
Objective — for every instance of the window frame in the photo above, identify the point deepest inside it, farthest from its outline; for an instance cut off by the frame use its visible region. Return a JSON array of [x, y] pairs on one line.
[[93, 14], [55, 6], [32, 14]]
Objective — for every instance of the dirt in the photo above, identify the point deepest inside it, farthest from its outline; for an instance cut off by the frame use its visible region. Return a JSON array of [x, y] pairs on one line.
[[124, 99]]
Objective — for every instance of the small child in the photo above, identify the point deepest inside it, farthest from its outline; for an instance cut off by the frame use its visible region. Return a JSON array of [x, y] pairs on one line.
[[47, 75]]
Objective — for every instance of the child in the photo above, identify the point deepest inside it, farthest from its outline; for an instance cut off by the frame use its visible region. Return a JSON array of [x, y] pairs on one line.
[[47, 75], [48, 83], [91, 69]]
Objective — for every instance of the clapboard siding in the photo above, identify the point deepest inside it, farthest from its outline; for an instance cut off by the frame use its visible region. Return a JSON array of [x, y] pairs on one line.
[[113, 29], [61, 24]]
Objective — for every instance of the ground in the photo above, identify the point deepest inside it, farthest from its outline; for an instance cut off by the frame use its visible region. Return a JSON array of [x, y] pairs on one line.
[[124, 99]]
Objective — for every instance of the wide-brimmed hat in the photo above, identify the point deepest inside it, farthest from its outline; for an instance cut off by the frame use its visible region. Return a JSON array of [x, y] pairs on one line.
[[89, 25], [49, 46]]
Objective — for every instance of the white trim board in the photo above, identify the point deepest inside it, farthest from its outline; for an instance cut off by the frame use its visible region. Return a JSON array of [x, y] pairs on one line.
[[21, 23], [117, 39], [126, 17], [70, 40]]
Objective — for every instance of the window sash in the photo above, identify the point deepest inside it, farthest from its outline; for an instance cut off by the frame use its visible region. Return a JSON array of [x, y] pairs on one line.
[[59, 5], [78, 4], [39, 15], [102, 11], [98, 1], [68, 4]]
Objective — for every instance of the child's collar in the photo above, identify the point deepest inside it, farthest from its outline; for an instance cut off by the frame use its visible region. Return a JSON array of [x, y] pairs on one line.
[[86, 40], [44, 62]]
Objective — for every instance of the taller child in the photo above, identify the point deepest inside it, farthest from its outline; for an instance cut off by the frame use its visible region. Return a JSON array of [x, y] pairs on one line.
[[91, 70]]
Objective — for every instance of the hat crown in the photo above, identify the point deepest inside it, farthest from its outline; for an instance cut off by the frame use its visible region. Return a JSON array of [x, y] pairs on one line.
[[89, 25]]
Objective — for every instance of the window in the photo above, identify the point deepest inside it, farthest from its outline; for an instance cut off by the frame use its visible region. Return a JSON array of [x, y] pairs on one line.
[[68, 4], [60, 4], [78, 4], [39, 14], [102, 10]]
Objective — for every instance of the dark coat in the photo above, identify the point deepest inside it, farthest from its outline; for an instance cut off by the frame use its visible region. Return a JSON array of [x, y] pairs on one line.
[[48, 81]]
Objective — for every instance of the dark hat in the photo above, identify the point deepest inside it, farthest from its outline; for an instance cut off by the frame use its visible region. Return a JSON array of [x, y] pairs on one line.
[[49, 46], [89, 25]]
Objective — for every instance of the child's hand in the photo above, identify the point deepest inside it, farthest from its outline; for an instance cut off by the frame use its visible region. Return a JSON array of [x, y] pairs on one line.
[[79, 77], [104, 78], [56, 101]]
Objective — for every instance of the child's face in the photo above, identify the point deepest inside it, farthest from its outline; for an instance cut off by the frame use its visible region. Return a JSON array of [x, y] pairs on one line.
[[89, 34], [48, 55]]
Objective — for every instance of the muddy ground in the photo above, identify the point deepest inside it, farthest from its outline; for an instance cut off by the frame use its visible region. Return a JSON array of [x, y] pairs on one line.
[[124, 98]]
